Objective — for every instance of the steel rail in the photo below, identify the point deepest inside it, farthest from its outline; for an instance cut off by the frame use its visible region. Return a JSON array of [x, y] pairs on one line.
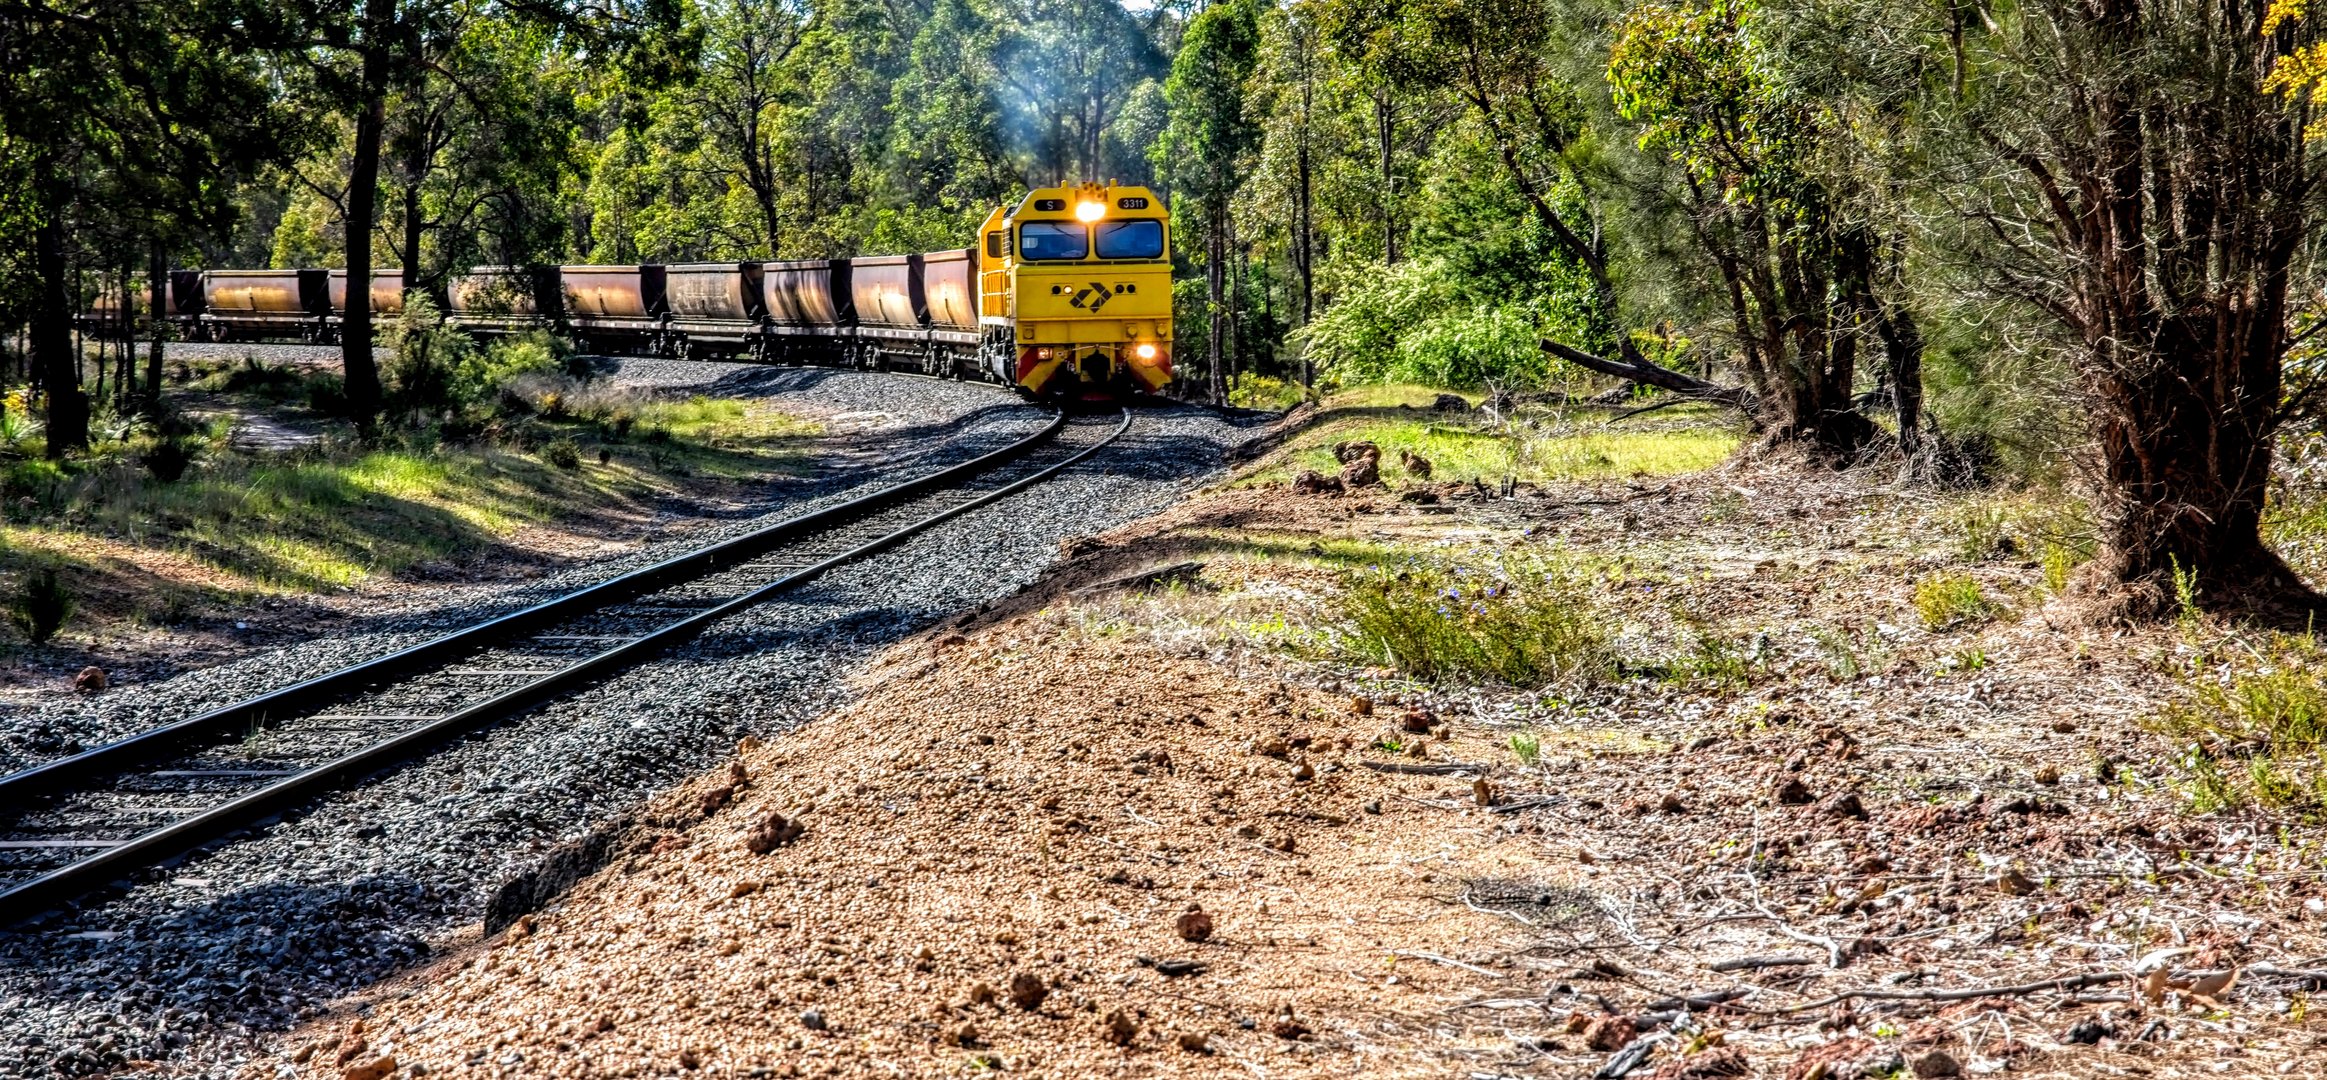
[[50, 890], [16, 789]]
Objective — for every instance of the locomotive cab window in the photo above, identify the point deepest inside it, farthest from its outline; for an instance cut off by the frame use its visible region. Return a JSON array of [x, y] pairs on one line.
[[997, 244], [1131, 240], [1040, 241]]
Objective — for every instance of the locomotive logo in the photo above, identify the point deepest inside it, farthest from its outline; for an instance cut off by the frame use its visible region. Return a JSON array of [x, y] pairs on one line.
[[1097, 294]]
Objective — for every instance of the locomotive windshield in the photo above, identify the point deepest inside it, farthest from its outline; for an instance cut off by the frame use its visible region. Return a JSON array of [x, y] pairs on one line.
[[1131, 240], [1052, 240]]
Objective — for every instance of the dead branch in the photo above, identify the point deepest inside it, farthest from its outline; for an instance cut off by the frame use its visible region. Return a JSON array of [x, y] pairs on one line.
[[1834, 954], [2072, 982], [1756, 963], [1650, 374], [1403, 769]]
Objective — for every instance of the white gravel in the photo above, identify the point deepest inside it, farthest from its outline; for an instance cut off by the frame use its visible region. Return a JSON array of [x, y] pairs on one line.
[[202, 964]]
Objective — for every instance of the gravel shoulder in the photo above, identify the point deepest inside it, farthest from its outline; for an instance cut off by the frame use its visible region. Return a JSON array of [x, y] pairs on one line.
[[204, 965], [1812, 873]]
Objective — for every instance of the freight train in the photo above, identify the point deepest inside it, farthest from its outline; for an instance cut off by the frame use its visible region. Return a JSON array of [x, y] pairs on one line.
[[1068, 293]]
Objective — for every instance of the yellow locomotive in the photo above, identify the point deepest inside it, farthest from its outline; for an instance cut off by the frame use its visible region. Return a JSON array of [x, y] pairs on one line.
[[1075, 291]]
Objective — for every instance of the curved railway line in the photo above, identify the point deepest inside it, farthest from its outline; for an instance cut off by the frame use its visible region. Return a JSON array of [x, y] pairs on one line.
[[74, 825]]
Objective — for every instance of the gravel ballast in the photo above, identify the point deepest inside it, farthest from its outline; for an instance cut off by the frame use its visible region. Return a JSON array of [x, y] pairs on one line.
[[912, 426], [201, 964]]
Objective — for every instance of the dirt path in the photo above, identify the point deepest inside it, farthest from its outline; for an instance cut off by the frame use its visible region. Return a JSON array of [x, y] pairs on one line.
[[1811, 876]]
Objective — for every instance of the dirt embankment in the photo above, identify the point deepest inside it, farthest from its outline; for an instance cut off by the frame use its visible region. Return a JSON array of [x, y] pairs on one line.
[[997, 858]]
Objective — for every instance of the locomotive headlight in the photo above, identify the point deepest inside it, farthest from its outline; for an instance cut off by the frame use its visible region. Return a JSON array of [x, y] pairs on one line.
[[1146, 350], [1090, 211]]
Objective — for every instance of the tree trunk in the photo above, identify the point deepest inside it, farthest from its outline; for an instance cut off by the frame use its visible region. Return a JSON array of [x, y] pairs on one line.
[[52, 327], [1903, 365], [363, 182], [2184, 438], [157, 283], [1215, 246], [415, 217], [1236, 362], [1387, 123], [1304, 253]]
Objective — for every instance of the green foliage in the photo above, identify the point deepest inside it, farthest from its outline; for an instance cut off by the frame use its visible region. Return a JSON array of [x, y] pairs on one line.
[[41, 604], [1713, 661], [167, 458], [1522, 620], [1266, 392], [440, 371], [2059, 561], [563, 452], [1944, 601], [1414, 324], [1527, 746], [2254, 732], [18, 426]]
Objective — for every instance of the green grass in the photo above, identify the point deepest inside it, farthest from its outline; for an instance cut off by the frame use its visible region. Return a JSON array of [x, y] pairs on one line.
[[330, 522], [1538, 446], [1263, 392], [1522, 620], [338, 515], [2254, 733]]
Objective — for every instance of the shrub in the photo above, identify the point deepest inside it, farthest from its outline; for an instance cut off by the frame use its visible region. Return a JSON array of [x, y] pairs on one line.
[[1526, 624], [438, 369], [1945, 600], [167, 459], [2256, 734], [562, 452], [18, 424], [276, 382], [41, 605], [327, 394]]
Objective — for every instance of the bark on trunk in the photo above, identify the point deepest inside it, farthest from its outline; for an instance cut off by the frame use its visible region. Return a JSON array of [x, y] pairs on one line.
[[415, 220], [2185, 447], [67, 422], [1903, 364], [157, 283], [362, 370], [1214, 281], [1388, 123], [2180, 204]]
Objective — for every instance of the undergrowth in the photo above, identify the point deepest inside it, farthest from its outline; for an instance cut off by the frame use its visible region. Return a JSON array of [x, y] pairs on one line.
[[1945, 601], [2254, 732], [1521, 620], [41, 604]]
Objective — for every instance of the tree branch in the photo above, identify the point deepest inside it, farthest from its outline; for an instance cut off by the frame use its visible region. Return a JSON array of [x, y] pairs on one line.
[[1648, 373]]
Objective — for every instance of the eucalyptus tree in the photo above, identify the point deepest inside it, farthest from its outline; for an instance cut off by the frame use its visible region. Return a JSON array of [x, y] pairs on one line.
[[1070, 68], [1795, 264], [477, 147], [1203, 155], [120, 119], [2149, 176], [1291, 73], [370, 51], [737, 95], [950, 145]]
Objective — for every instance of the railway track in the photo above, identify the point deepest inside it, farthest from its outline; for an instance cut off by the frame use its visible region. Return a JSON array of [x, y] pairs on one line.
[[77, 824]]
